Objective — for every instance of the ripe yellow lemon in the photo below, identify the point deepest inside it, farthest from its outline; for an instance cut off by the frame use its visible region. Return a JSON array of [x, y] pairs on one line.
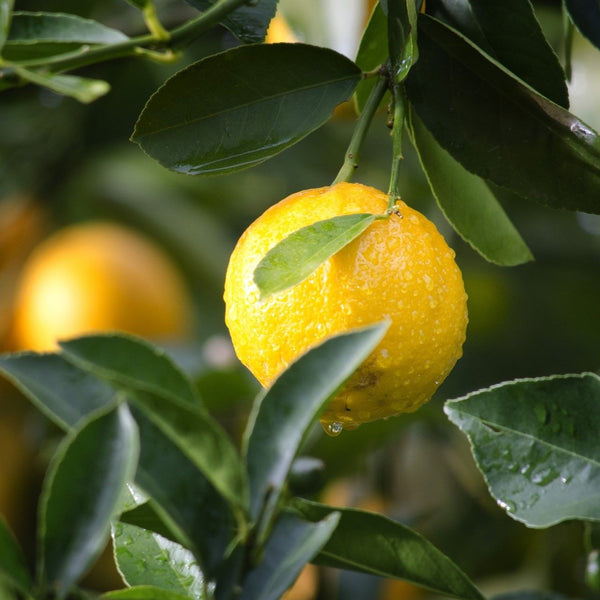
[[99, 276], [400, 268]]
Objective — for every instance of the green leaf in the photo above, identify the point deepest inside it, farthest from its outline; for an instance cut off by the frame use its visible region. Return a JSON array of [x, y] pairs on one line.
[[371, 543], [536, 443], [250, 103], [6, 7], [402, 37], [510, 33], [372, 52], [292, 543], [191, 508], [468, 203], [80, 88], [199, 437], [12, 561], [294, 258], [132, 363], [146, 516], [283, 414], [82, 492], [146, 558], [248, 23], [142, 592], [585, 15], [498, 127], [529, 595], [35, 35], [64, 393]]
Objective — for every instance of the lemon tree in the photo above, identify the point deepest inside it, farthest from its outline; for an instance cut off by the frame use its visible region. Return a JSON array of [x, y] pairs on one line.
[[345, 301]]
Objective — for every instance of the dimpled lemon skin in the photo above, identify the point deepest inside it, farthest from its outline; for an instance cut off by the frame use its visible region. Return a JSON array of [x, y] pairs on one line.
[[400, 269]]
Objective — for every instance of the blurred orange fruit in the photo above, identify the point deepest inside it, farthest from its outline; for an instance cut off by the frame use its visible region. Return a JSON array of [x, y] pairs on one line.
[[306, 586]]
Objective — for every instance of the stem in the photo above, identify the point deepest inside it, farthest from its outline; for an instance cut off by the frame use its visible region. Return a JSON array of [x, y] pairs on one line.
[[153, 24], [397, 134], [360, 131]]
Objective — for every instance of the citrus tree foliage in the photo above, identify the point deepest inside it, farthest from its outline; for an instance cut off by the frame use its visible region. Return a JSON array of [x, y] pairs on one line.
[[478, 91]]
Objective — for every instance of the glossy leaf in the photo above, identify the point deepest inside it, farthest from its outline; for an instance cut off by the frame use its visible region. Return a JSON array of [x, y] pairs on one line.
[[468, 203], [146, 516], [291, 545], [248, 23], [130, 362], [510, 33], [142, 592], [199, 437], [82, 89], [6, 7], [585, 14], [283, 414], [40, 34], [12, 561], [371, 543], [192, 509], [262, 99], [299, 254], [535, 441], [64, 393], [498, 127], [146, 558], [82, 492], [402, 37]]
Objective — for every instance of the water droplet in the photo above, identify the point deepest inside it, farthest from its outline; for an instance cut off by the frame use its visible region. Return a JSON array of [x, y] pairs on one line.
[[565, 479], [334, 429], [508, 506], [544, 476]]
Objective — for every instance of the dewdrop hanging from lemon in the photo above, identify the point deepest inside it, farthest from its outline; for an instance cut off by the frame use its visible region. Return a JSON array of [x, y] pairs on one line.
[[400, 269]]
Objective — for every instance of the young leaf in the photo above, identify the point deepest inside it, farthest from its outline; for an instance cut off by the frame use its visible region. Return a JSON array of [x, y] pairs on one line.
[[498, 127], [535, 441], [511, 34], [80, 88], [6, 7], [130, 362], [143, 592], [468, 203], [250, 103], [64, 393], [283, 415], [146, 558], [402, 37], [292, 543], [248, 23], [12, 561], [585, 14], [41, 34], [371, 543], [298, 255], [81, 494]]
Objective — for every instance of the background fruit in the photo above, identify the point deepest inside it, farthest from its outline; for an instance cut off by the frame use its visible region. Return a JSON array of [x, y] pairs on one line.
[[400, 268], [99, 276]]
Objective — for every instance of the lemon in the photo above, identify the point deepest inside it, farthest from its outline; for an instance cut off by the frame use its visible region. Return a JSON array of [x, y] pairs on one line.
[[99, 276], [400, 269]]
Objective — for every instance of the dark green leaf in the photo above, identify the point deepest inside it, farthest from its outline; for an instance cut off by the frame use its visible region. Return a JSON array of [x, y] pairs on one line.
[[294, 258], [250, 103], [80, 88], [372, 52], [146, 516], [141, 4], [64, 393], [498, 127], [510, 33], [191, 508], [82, 492], [248, 23], [402, 37], [40, 34], [586, 17], [201, 439], [371, 543], [130, 362], [536, 443], [529, 595], [12, 561], [146, 558], [292, 543], [283, 415], [6, 7], [468, 203], [142, 592]]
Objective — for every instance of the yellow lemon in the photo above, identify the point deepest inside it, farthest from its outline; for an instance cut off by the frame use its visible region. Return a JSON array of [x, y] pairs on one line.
[[400, 269]]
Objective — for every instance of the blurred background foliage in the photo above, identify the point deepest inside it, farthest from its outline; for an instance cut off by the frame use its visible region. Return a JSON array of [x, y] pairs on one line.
[[63, 163]]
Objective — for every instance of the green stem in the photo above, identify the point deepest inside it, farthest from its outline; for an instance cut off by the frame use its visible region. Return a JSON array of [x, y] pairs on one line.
[[397, 134], [360, 131]]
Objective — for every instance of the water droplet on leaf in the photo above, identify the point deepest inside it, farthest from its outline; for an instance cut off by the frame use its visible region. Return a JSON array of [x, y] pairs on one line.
[[334, 429]]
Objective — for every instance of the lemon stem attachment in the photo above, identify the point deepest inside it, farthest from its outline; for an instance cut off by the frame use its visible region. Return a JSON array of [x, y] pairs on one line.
[[399, 100], [153, 24], [360, 131]]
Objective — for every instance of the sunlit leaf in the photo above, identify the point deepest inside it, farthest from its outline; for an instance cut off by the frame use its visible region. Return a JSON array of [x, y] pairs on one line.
[[298, 255], [143, 592], [261, 100], [536, 443]]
